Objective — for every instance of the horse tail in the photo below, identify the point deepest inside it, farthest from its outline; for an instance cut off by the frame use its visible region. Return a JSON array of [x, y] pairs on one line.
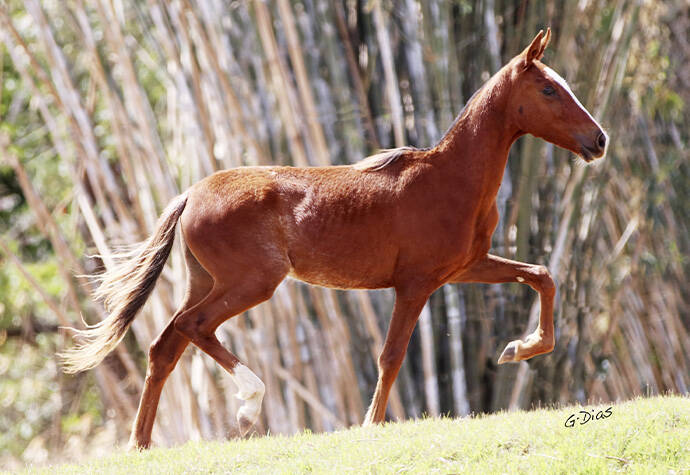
[[124, 288]]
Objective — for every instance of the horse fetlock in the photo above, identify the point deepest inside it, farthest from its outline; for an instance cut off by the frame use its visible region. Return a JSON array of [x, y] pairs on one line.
[[251, 406], [249, 386], [135, 445], [371, 418], [539, 342], [536, 343], [251, 390]]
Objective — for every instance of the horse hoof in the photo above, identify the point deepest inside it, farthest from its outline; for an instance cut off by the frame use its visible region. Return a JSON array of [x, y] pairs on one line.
[[133, 446], [509, 355], [244, 425]]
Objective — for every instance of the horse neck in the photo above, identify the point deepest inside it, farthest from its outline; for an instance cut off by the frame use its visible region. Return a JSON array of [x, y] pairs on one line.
[[477, 144]]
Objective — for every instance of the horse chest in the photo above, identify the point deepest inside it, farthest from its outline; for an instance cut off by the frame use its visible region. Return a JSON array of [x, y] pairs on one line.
[[463, 240], [483, 230]]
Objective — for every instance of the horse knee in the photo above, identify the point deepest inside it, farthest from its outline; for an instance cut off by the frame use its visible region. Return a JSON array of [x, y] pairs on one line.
[[390, 360], [545, 281]]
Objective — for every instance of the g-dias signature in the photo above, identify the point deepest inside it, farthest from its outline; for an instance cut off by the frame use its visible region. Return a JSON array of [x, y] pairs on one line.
[[585, 416]]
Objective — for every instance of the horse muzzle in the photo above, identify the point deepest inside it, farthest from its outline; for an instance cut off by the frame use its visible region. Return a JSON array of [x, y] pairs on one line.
[[591, 149]]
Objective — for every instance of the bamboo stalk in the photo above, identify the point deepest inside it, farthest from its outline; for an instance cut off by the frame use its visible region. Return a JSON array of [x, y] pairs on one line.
[[308, 103], [392, 89], [281, 84], [430, 379], [355, 75], [455, 308], [260, 156]]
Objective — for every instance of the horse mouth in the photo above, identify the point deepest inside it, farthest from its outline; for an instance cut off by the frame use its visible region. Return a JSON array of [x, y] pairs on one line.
[[589, 154], [586, 155]]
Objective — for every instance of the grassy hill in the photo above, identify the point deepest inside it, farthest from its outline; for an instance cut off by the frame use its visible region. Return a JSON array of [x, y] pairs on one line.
[[640, 436]]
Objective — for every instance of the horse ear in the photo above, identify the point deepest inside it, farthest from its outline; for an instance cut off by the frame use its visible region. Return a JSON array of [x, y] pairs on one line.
[[545, 42], [536, 49]]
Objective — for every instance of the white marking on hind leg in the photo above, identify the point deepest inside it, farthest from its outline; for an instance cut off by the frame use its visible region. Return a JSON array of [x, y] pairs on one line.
[[251, 390]]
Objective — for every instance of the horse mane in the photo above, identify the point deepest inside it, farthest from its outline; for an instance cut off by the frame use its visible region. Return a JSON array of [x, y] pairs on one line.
[[462, 112], [388, 156], [383, 158]]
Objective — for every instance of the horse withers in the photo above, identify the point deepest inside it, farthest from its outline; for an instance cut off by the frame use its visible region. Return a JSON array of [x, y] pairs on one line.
[[411, 219]]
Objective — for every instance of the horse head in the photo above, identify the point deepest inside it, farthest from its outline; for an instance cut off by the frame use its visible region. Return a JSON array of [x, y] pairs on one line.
[[542, 104]]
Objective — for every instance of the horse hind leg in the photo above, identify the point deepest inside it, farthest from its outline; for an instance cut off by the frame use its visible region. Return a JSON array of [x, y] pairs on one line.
[[199, 326], [165, 352]]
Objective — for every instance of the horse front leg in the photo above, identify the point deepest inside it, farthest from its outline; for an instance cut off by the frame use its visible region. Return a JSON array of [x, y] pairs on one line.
[[408, 306], [496, 270]]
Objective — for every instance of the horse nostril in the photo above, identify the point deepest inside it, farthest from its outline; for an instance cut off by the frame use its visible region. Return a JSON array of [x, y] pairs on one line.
[[601, 141]]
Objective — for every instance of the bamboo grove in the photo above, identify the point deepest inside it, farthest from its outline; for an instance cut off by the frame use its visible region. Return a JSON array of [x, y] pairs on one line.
[[129, 103]]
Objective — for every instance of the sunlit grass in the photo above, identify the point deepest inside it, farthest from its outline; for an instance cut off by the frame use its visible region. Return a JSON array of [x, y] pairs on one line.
[[640, 436]]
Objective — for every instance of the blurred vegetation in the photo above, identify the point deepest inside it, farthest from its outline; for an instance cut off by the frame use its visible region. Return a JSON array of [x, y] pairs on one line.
[[110, 108]]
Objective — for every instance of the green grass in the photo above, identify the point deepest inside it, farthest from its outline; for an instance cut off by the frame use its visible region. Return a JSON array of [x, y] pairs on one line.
[[640, 436]]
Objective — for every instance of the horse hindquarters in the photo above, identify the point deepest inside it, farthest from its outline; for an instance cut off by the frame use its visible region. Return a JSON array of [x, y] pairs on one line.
[[240, 249], [233, 262]]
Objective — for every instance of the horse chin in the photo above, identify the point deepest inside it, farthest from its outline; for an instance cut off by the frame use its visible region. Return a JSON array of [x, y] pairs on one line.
[[588, 155]]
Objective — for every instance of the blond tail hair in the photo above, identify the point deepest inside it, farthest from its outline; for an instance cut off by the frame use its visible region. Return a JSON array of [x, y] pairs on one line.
[[124, 289]]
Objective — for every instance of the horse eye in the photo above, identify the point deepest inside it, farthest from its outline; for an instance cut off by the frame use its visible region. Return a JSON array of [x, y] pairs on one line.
[[548, 91]]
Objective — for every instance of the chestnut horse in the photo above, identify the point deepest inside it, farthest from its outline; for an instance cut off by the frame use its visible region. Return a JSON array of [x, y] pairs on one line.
[[411, 219]]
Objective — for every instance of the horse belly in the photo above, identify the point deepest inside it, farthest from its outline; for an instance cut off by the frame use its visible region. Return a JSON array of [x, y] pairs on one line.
[[340, 280], [343, 266]]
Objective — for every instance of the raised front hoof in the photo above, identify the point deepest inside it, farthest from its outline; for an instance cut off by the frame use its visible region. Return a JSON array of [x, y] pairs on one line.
[[510, 353], [518, 350]]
